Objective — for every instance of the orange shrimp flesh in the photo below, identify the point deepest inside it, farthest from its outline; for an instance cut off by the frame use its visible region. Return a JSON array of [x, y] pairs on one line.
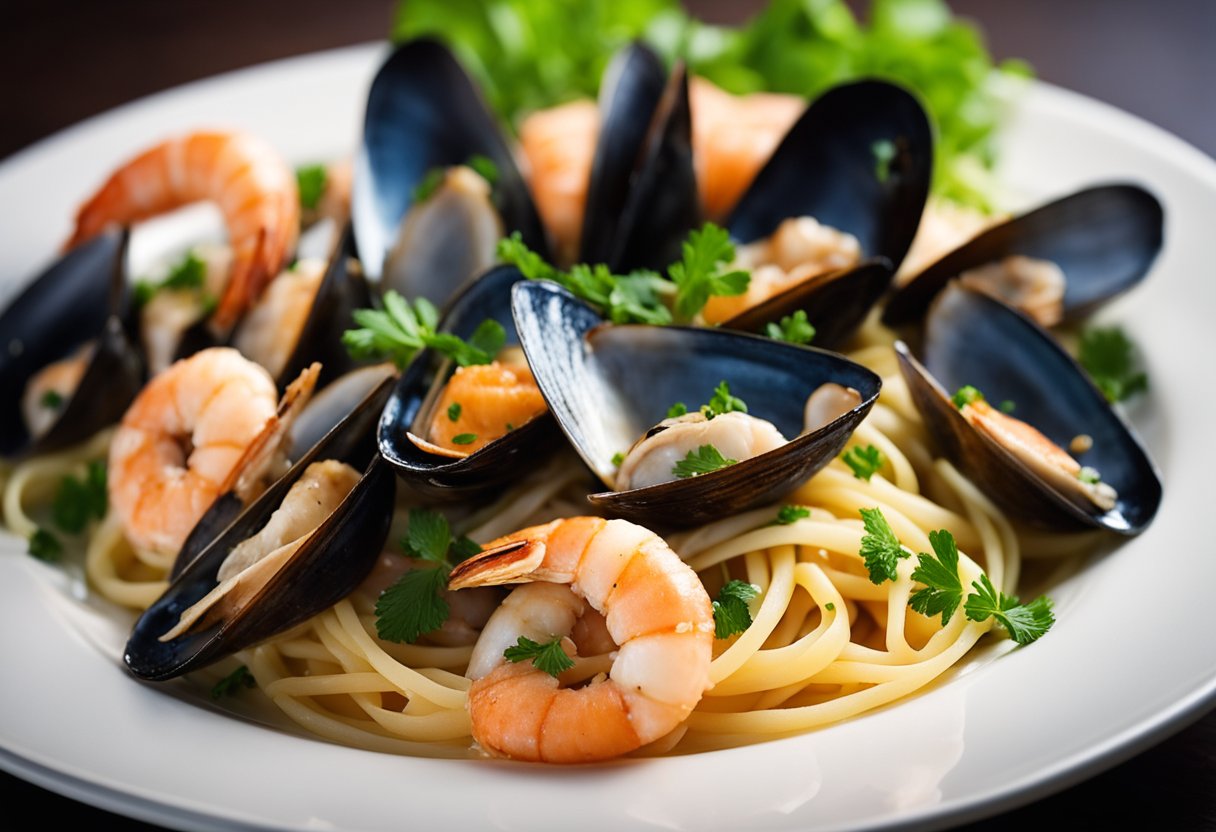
[[488, 401], [559, 147], [180, 440], [254, 188], [656, 611]]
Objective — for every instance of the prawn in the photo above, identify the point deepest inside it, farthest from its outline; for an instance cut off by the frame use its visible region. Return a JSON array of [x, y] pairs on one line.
[[181, 440], [559, 146], [254, 188], [657, 613]]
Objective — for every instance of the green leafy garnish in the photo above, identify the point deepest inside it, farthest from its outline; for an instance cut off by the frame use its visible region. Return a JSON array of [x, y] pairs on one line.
[[414, 605], [677, 410], [943, 590], [791, 514], [865, 462], [1108, 355], [484, 167], [1089, 476], [703, 460], [51, 400], [400, 330], [311, 181], [966, 395], [1024, 622], [79, 500], [464, 439], [793, 329], [829, 606], [617, 459], [1008, 406], [700, 275], [454, 411], [880, 548], [731, 613], [188, 273], [884, 154], [427, 185], [45, 546], [723, 402], [233, 683], [548, 657]]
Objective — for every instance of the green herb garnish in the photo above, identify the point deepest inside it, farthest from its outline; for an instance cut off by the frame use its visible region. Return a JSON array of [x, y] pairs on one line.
[[723, 402], [400, 330], [233, 683], [793, 329], [791, 514], [427, 185], [548, 657], [617, 459], [731, 613], [310, 182], [677, 410], [79, 500], [943, 591], [884, 154], [51, 400], [704, 460], [700, 274], [464, 439], [1108, 355], [865, 462], [45, 546], [188, 273], [454, 411], [966, 395], [484, 167], [1089, 476], [1008, 406], [880, 548], [1024, 622]]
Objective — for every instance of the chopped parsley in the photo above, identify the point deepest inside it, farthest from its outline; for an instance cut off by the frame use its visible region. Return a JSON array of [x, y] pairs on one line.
[[548, 657], [704, 460], [233, 683], [731, 613], [1024, 622], [1108, 355], [865, 462], [464, 439], [677, 410], [51, 400], [699, 274], [414, 605], [793, 329], [45, 546], [943, 591], [79, 500], [617, 459], [1089, 476], [829, 606], [884, 154], [310, 182], [966, 395], [454, 411], [189, 273], [1008, 406], [880, 548], [723, 402], [483, 166], [400, 330], [791, 514]]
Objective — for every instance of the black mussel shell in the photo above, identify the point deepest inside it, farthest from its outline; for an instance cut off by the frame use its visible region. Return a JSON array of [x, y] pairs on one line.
[[1104, 238], [860, 159], [337, 557], [836, 303], [642, 196], [971, 339], [81, 297], [496, 463], [607, 385], [323, 413], [424, 112]]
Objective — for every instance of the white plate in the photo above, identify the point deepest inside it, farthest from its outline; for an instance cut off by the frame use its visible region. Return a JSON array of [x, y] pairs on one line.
[[1129, 660]]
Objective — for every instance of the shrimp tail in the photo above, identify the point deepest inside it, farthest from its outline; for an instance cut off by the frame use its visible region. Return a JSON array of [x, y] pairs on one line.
[[514, 562]]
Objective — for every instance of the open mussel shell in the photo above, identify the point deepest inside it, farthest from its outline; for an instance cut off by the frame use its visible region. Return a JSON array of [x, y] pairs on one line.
[[80, 298], [423, 113], [508, 458], [326, 568], [836, 303], [1104, 238], [323, 413], [971, 339], [642, 195], [608, 385], [859, 159]]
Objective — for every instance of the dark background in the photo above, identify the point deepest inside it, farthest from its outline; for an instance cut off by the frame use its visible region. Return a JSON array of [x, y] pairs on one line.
[[64, 60]]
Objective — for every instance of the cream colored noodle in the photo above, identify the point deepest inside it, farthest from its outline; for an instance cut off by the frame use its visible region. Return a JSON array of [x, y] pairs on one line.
[[825, 644]]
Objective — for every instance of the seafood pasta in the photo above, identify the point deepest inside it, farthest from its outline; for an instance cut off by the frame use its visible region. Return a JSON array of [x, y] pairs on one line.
[[489, 514]]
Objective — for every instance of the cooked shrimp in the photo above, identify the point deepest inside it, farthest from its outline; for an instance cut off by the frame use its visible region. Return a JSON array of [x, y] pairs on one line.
[[559, 146], [482, 403], [181, 439], [657, 612], [254, 187]]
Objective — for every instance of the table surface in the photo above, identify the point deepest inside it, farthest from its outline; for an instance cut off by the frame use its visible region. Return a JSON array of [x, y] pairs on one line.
[[1154, 60]]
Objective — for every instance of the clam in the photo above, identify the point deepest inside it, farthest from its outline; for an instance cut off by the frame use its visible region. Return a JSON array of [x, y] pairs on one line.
[[425, 114], [609, 385], [859, 160], [430, 469], [68, 366], [176, 635], [1101, 241], [973, 340]]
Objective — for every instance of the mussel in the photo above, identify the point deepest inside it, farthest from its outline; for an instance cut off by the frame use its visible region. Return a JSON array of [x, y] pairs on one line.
[[432, 471], [325, 567], [68, 366], [972, 340], [1084, 248], [859, 160], [609, 385]]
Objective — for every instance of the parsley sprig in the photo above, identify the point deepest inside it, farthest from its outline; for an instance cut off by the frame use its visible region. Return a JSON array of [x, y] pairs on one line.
[[1024, 622], [793, 329], [414, 605], [233, 683], [722, 401], [188, 273], [401, 329], [310, 182], [880, 548], [643, 296], [943, 590], [966, 395], [1107, 354], [549, 657], [787, 515], [731, 613], [704, 460], [77, 501], [865, 462]]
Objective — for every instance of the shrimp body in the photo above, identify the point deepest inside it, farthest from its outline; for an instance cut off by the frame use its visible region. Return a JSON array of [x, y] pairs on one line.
[[254, 188], [181, 439], [559, 146], [656, 611]]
